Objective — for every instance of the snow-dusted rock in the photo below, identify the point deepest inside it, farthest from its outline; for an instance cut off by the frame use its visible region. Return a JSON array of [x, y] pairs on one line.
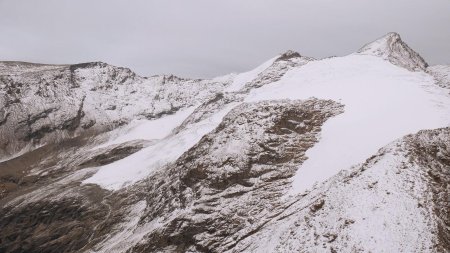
[[43, 104], [397, 201], [392, 48], [296, 155]]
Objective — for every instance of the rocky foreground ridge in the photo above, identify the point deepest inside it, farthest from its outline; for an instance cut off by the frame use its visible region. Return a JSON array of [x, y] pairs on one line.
[[94, 158]]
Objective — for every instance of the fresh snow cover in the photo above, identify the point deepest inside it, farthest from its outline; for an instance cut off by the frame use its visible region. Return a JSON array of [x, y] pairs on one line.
[[241, 79], [382, 102], [379, 224], [139, 165], [389, 100], [144, 129]]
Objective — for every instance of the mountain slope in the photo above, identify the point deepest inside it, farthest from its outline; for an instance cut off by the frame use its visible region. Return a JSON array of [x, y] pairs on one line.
[[396, 201], [331, 155]]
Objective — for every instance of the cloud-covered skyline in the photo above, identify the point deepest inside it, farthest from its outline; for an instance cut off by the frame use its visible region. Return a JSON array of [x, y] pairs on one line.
[[206, 38]]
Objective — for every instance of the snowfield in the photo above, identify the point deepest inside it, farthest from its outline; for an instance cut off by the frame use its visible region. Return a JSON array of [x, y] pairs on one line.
[[144, 129], [383, 102]]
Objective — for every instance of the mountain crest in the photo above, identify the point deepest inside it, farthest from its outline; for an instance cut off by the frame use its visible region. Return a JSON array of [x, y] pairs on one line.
[[288, 55], [392, 48]]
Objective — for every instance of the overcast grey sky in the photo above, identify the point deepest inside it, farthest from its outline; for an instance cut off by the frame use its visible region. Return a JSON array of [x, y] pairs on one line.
[[206, 38]]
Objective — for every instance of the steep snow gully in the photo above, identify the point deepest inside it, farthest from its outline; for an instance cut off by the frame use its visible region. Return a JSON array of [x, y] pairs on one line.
[[342, 154]]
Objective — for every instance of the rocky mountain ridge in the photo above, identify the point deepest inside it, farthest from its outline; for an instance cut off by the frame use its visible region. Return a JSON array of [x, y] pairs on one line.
[[99, 159]]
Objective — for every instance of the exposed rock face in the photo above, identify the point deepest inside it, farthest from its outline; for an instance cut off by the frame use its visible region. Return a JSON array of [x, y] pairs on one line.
[[222, 190], [392, 48], [230, 154], [214, 185], [49, 226], [44, 207]]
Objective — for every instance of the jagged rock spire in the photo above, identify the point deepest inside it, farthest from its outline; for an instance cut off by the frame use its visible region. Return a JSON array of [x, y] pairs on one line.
[[392, 48]]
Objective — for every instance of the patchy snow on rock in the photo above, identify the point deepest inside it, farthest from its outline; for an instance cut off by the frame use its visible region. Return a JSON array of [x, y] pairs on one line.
[[139, 165], [123, 240], [388, 100], [441, 73], [376, 207]]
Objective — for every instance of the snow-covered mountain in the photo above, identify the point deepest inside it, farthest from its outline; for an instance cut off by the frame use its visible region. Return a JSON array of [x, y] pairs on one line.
[[342, 154]]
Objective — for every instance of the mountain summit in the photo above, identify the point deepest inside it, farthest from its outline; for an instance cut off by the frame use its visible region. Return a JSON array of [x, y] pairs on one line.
[[342, 154], [392, 48]]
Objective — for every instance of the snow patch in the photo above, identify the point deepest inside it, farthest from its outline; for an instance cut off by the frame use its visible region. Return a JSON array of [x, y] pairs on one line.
[[139, 165], [148, 129]]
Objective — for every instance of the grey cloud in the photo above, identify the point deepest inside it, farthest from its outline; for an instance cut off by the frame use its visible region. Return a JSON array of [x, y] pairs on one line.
[[206, 38]]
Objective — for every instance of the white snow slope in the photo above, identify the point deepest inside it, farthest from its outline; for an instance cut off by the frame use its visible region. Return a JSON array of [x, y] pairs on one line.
[[139, 165], [143, 129], [383, 102]]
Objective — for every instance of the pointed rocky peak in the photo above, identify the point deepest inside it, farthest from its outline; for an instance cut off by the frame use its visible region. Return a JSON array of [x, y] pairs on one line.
[[288, 55], [391, 47], [383, 45]]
